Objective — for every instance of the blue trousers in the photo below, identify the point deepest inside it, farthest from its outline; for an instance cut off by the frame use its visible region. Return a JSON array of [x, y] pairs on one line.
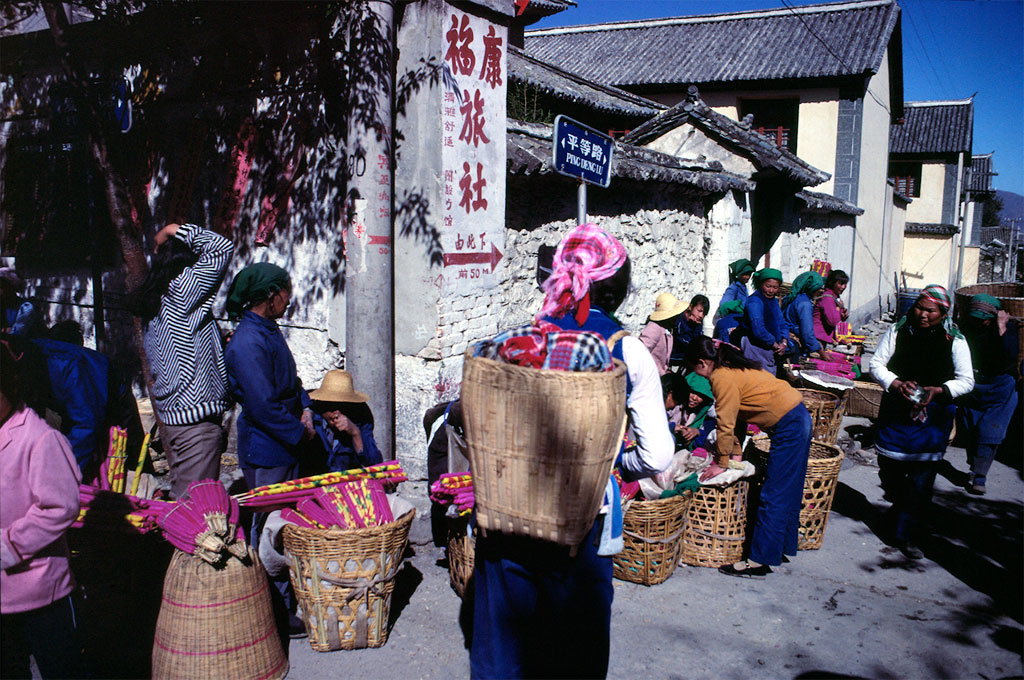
[[984, 416], [908, 484], [261, 476], [48, 634], [777, 527], [539, 612]]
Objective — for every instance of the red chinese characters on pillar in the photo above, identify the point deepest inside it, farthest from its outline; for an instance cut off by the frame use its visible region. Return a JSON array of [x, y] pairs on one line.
[[473, 119], [459, 53], [471, 188], [490, 72]]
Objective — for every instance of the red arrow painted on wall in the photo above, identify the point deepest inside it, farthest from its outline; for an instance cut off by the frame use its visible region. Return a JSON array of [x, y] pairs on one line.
[[474, 258], [379, 240]]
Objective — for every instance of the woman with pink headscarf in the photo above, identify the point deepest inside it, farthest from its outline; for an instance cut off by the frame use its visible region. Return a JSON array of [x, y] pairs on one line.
[[540, 609]]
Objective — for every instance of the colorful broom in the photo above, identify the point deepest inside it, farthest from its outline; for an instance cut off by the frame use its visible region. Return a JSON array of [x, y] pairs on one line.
[[209, 497]]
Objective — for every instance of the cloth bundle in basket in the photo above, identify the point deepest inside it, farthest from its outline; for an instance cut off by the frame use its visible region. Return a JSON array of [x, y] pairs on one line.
[[541, 445], [819, 492], [652, 532], [343, 580], [216, 622], [716, 526], [826, 413]]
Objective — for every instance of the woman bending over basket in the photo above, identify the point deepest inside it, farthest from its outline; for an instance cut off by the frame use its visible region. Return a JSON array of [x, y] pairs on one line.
[[543, 610], [745, 394], [924, 363]]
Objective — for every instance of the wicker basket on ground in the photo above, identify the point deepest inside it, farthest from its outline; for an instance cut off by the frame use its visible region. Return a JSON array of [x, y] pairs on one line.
[[652, 532], [343, 581], [865, 399], [541, 445], [216, 623], [716, 526], [826, 413], [461, 551], [819, 492]]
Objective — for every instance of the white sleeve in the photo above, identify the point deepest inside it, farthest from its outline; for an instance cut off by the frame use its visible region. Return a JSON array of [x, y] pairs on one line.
[[646, 405], [963, 382], [880, 359]]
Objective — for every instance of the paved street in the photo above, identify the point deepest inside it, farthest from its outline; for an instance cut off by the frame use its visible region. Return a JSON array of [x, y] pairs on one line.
[[855, 608]]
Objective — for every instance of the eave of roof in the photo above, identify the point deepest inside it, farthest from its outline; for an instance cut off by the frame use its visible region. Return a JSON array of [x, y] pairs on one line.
[[570, 87], [529, 153], [934, 127], [826, 40], [763, 151], [930, 229], [826, 203]]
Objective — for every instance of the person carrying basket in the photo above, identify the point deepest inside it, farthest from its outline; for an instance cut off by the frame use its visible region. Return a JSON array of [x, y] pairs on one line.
[[541, 609]]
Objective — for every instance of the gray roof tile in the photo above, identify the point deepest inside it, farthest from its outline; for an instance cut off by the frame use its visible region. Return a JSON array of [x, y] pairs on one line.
[[734, 135], [980, 181], [529, 153], [746, 46], [570, 87], [924, 228], [818, 202], [939, 127]]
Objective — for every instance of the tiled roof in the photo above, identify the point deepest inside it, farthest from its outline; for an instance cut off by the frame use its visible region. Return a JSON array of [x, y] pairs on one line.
[[538, 9], [981, 175], [572, 88], [529, 153], [834, 39], [938, 127], [738, 136], [930, 229], [818, 202]]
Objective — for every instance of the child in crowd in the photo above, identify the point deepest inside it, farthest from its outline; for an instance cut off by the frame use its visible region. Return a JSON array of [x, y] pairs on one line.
[[687, 402], [657, 335], [689, 325]]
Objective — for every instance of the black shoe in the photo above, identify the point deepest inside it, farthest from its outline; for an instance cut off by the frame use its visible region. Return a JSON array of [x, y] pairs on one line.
[[975, 489], [749, 572], [296, 627]]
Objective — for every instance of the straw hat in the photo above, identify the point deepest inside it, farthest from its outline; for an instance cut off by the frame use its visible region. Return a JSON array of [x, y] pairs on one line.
[[337, 385], [666, 306]]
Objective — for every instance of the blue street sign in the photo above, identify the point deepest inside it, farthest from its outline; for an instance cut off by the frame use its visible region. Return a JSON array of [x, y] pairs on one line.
[[582, 152]]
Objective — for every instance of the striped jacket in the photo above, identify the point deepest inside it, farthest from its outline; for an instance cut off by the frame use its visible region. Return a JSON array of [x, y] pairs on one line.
[[183, 344]]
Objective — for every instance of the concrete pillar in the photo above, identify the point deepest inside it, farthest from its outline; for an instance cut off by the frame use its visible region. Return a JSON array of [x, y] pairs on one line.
[[369, 271]]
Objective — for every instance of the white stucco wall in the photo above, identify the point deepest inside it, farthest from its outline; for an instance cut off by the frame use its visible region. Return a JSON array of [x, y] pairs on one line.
[[927, 260], [927, 207], [686, 141]]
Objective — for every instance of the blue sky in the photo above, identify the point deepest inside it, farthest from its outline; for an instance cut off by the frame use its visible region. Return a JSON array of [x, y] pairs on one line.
[[951, 49]]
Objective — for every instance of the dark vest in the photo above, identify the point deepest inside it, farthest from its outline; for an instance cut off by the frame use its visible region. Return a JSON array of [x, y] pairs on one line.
[[923, 355]]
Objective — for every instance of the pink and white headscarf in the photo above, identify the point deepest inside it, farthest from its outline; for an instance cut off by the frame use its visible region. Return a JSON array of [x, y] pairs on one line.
[[586, 254]]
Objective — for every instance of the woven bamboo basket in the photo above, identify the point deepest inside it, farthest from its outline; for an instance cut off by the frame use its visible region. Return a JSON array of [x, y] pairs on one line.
[[716, 526], [343, 581], [541, 444], [1011, 295], [819, 492], [826, 413], [865, 399], [652, 532], [216, 623], [461, 550]]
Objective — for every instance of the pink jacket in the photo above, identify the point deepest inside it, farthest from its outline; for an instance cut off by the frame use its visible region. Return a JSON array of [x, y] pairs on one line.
[[827, 315], [658, 342], [38, 502]]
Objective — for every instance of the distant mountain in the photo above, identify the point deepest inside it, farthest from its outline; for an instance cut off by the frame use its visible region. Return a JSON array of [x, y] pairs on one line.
[[1013, 204]]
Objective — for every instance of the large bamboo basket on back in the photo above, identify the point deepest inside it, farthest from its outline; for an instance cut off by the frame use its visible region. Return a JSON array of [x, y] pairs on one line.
[[826, 413], [819, 492], [343, 581], [1010, 296], [652, 533], [716, 526], [541, 445], [216, 623]]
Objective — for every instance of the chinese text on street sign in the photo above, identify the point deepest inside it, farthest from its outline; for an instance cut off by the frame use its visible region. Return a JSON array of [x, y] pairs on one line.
[[582, 152]]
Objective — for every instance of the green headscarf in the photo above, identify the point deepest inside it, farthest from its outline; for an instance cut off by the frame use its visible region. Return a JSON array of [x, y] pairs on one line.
[[731, 307], [808, 282], [940, 296], [984, 306], [702, 386], [254, 284], [739, 268], [767, 273]]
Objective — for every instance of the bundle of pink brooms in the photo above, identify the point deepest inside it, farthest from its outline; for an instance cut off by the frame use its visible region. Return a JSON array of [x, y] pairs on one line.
[[454, 488]]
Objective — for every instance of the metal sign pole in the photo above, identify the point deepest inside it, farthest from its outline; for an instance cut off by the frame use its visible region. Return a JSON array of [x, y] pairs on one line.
[[581, 203]]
